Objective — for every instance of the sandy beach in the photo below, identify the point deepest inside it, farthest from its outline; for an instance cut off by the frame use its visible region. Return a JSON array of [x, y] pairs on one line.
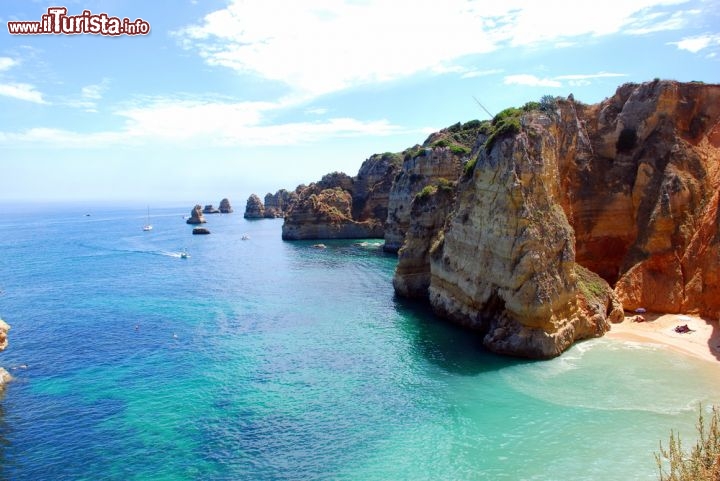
[[702, 341]]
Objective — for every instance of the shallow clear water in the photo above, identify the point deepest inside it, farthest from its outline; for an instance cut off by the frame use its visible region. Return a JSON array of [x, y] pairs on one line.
[[263, 359]]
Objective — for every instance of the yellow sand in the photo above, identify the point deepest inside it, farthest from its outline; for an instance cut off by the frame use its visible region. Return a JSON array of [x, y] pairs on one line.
[[702, 342]]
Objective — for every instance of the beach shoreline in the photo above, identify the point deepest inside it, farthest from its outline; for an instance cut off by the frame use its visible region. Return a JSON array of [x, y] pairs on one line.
[[702, 341]]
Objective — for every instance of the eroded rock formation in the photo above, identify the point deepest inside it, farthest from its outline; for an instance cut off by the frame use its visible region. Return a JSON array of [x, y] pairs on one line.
[[344, 207], [196, 216], [627, 188], [561, 215], [225, 207], [441, 156], [4, 375], [277, 204], [210, 209], [429, 211], [643, 193], [254, 208], [505, 262]]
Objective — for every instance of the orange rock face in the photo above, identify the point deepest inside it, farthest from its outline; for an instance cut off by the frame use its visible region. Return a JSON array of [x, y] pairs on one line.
[[642, 196]]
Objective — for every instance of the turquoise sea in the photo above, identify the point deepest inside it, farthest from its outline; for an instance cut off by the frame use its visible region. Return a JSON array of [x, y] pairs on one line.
[[261, 359]]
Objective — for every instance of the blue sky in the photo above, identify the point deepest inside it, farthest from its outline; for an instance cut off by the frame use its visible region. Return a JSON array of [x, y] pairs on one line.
[[225, 98]]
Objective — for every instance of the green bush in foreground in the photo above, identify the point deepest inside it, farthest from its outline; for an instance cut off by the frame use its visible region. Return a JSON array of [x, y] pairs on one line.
[[702, 463]]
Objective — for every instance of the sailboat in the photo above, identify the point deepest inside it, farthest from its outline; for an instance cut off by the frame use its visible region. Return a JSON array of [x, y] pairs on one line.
[[148, 226]]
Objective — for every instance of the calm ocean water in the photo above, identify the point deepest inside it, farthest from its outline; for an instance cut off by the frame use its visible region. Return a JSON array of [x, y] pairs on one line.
[[263, 360]]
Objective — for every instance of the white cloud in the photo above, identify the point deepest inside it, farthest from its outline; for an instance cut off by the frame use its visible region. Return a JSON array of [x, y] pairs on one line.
[[531, 80], [574, 80], [21, 91], [695, 44], [95, 91], [7, 63], [316, 111], [337, 44], [589, 76], [481, 73], [88, 97], [205, 123]]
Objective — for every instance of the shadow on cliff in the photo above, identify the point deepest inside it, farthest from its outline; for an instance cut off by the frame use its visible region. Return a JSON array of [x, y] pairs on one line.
[[454, 349]]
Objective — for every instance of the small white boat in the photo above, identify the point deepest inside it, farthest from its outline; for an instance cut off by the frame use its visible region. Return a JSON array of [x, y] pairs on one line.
[[148, 227], [184, 255], [245, 237]]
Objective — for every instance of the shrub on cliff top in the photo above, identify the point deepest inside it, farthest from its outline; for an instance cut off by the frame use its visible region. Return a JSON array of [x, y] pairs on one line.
[[506, 122], [702, 463]]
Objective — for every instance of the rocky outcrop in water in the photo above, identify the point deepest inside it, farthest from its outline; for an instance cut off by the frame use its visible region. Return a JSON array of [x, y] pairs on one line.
[[505, 262], [196, 216], [254, 208], [427, 215], [4, 375], [344, 207], [277, 204], [439, 158], [200, 231], [210, 209], [225, 207]]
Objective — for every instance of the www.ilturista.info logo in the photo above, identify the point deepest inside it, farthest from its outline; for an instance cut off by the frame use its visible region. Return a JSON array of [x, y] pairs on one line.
[[58, 22]]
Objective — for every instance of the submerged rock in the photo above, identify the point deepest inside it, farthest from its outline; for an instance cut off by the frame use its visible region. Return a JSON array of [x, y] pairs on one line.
[[200, 231], [196, 216]]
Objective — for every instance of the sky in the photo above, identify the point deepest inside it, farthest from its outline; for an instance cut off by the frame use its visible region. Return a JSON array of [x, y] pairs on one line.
[[225, 98]]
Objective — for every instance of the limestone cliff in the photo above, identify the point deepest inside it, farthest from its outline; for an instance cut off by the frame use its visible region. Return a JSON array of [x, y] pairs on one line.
[[254, 208], [505, 263], [428, 212], [277, 204], [441, 156], [642, 193], [627, 188], [344, 207]]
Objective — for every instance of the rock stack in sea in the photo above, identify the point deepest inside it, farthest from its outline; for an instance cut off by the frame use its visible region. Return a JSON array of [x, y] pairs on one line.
[[254, 208], [439, 159], [278, 204], [225, 207], [275, 206], [4, 375], [344, 207], [210, 209], [196, 216]]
